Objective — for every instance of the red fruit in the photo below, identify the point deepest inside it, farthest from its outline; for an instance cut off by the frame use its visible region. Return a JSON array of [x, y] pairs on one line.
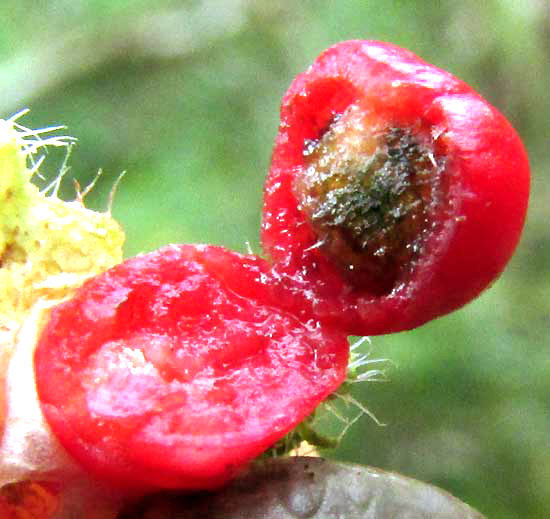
[[396, 193], [176, 368]]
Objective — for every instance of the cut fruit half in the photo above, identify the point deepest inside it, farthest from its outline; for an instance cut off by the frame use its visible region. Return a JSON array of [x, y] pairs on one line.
[[176, 368]]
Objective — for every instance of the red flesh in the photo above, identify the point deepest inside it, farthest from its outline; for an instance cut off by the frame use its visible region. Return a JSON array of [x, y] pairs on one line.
[[476, 226], [172, 371]]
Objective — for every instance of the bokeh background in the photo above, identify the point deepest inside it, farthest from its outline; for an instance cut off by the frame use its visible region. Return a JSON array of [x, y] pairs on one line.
[[184, 96]]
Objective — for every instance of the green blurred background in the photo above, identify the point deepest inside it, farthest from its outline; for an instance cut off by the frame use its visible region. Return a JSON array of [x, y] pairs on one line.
[[184, 96]]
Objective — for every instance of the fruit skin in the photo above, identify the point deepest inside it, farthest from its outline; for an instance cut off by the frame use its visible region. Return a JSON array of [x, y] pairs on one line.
[[475, 226], [176, 368]]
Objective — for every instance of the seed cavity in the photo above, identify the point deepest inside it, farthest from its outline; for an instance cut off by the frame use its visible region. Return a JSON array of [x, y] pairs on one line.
[[369, 192]]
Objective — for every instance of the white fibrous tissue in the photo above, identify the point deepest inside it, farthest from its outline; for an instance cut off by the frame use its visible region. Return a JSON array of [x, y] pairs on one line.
[[48, 248]]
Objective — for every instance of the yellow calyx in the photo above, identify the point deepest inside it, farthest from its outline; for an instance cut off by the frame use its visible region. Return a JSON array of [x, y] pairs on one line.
[[48, 247]]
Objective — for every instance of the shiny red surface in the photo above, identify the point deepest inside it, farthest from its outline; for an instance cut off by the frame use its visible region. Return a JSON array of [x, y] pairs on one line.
[[176, 368], [171, 370], [476, 226]]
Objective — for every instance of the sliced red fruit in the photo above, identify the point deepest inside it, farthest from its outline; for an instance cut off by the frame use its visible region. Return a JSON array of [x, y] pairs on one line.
[[175, 368], [396, 194]]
